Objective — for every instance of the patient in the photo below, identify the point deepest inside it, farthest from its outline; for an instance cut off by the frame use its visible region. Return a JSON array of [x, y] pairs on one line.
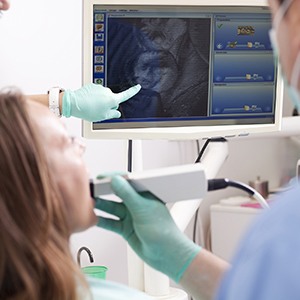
[[44, 199]]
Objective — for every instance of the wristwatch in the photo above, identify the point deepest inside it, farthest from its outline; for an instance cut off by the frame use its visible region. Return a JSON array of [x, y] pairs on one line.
[[54, 100]]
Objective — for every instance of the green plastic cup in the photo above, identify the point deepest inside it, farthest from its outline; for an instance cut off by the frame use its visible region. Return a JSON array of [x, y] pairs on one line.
[[95, 271]]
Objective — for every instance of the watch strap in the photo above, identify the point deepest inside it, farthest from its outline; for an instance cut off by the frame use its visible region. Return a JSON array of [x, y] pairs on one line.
[[54, 100]]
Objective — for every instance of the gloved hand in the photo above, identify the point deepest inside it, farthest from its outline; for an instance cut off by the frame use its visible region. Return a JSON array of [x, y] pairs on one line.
[[111, 174], [94, 102], [148, 227]]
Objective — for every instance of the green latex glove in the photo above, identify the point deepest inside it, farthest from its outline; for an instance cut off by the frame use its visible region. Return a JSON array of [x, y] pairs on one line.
[[111, 174], [94, 102], [149, 229]]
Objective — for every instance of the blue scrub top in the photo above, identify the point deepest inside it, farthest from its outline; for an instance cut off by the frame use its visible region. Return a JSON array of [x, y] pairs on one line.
[[267, 264]]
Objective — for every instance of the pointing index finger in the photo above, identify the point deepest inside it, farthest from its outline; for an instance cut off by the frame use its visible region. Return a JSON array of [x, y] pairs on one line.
[[127, 94]]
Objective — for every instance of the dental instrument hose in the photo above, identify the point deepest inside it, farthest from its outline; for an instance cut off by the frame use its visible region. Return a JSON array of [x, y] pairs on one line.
[[222, 183]]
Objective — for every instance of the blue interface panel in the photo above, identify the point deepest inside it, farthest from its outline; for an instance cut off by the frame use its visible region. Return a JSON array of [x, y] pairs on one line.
[[196, 65]]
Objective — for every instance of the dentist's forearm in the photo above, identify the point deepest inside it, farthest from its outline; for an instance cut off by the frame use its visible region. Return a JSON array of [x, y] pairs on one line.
[[202, 278], [44, 99]]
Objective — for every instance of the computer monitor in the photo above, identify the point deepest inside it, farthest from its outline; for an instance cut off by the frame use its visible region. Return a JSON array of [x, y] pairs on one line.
[[206, 67]]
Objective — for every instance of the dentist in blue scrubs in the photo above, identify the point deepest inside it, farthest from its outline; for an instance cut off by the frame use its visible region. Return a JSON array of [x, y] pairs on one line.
[[267, 263]]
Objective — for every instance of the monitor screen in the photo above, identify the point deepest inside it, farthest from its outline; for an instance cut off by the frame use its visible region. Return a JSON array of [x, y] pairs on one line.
[[205, 70]]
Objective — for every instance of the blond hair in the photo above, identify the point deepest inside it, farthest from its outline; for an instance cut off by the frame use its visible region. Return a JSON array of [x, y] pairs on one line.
[[35, 259]]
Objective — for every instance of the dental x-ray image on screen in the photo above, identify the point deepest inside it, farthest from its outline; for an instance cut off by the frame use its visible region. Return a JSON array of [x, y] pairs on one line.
[[206, 68], [169, 57]]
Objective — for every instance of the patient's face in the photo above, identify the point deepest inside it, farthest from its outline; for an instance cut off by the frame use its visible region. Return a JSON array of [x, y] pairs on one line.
[[65, 158]]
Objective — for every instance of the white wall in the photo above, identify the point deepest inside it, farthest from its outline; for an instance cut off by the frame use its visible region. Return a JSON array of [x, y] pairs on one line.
[[40, 47]]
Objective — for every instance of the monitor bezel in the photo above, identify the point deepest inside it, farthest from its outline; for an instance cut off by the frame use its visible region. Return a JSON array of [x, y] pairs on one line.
[[176, 132]]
